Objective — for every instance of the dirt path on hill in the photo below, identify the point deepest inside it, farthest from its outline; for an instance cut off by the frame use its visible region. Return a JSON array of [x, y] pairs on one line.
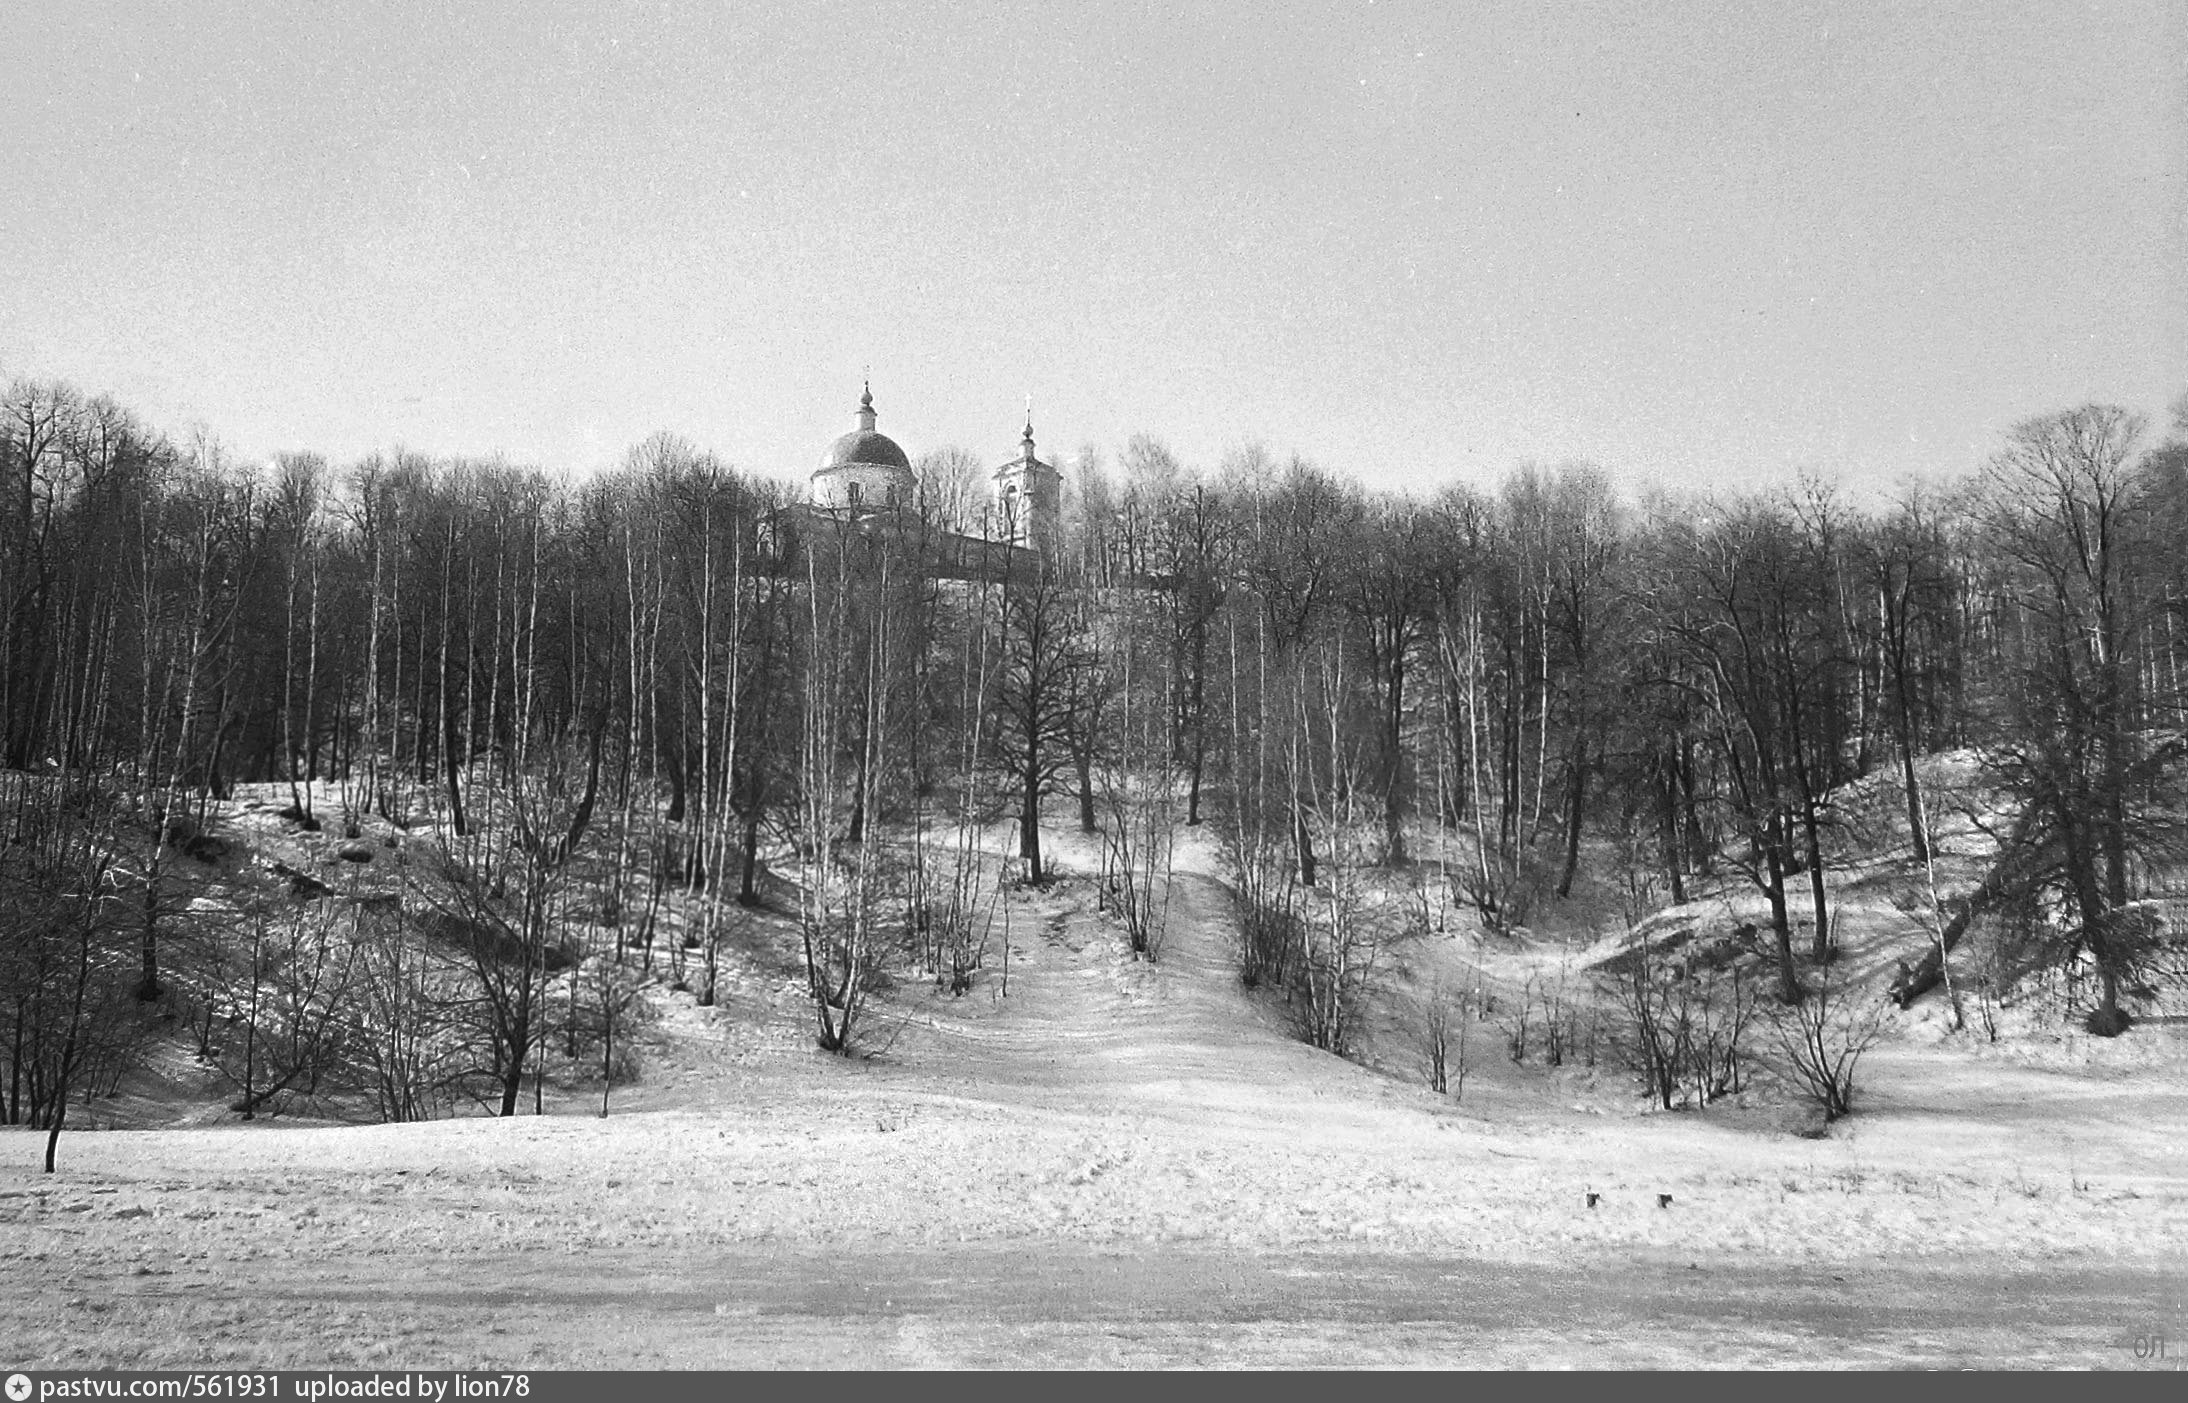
[[1085, 1019]]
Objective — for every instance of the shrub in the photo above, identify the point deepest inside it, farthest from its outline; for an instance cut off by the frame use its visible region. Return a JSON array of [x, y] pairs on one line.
[[1821, 1040]]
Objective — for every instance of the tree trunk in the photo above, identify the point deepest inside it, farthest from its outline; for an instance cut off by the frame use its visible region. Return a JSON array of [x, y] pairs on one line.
[[454, 753], [1821, 948], [748, 890], [2083, 868], [1668, 823], [1915, 824], [856, 833], [512, 1077], [1905, 727], [1575, 809], [1699, 857], [2005, 877], [53, 1133], [1789, 983], [1394, 848], [1029, 815], [1200, 725]]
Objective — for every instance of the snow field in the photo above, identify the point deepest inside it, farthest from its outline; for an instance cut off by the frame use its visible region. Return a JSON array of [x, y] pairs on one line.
[[1102, 1107]]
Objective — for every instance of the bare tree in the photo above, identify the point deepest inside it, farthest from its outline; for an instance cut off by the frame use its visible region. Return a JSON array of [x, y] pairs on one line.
[[1140, 833], [67, 1015], [1343, 935], [404, 1037], [501, 894], [1046, 662], [1386, 592], [951, 493], [1822, 1039], [284, 1031], [1444, 1016], [1687, 1019], [843, 708], [2076, 735]]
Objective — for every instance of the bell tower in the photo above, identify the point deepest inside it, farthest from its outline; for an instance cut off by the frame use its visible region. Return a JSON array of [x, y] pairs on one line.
[[1028, 495]]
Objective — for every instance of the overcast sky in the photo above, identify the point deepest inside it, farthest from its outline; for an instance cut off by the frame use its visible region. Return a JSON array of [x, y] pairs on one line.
[[1694, 243]]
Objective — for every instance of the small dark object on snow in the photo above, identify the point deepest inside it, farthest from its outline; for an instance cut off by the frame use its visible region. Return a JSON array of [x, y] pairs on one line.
[[1663, 1200], [1592, 1199], [355, 852], [302, 885], [186, 835]]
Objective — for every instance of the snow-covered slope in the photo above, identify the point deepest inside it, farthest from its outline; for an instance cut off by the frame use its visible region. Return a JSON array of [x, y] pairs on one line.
[[1118, 1162]]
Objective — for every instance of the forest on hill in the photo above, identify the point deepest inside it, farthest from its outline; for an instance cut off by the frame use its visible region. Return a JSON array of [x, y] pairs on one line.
[[623, 713]]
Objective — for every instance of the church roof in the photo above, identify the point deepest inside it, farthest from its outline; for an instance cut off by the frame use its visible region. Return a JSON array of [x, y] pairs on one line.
[[864, 446]]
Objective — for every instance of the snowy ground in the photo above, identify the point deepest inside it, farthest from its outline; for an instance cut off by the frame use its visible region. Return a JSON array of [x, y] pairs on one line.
[[1126, 1163]]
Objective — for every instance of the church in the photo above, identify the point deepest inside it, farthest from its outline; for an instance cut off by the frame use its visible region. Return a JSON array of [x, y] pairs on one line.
[[865, 482]]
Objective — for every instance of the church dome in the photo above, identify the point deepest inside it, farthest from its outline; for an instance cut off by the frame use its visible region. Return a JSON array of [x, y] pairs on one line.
[[865, 446]]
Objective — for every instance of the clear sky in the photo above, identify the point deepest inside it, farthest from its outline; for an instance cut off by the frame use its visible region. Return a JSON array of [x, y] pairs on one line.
[[1694, 243]]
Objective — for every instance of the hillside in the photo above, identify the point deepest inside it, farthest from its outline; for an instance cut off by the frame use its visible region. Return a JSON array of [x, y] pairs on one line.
[[1123, 1163]]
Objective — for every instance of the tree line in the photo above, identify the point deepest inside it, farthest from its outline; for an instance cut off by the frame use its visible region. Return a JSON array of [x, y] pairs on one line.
[[633, 701]]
